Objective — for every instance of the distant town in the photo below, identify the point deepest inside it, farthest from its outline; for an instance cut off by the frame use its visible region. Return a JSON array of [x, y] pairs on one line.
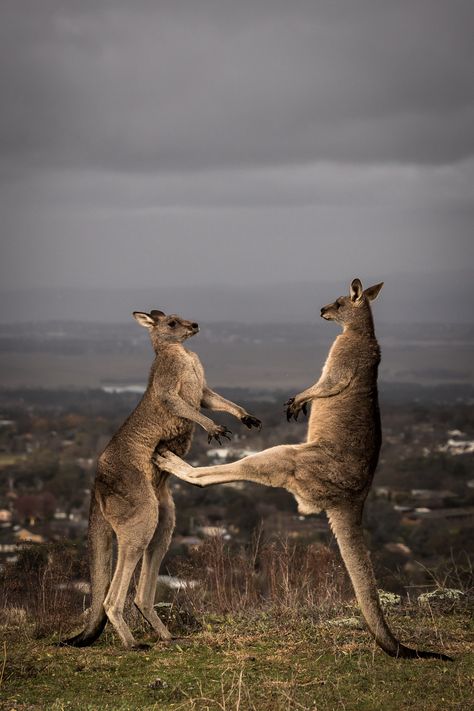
[[420, 512]]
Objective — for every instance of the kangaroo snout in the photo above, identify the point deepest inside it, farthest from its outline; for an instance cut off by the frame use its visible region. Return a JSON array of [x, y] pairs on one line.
[[195, 326]]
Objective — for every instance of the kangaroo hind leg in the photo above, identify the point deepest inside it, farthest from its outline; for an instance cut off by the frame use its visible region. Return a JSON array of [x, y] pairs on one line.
[[152, 557], [133, 537], [272, 467], [346, 524]]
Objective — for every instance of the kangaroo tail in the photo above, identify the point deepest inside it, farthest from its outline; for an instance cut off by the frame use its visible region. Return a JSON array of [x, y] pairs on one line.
[[100, 563], [346, 525]]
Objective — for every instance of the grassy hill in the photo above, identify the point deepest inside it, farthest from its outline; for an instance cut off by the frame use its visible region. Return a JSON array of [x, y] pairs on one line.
[[262, 661]]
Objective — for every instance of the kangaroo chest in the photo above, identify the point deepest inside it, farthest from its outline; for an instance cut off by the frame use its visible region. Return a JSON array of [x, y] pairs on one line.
[[349, 422], [192, 380]]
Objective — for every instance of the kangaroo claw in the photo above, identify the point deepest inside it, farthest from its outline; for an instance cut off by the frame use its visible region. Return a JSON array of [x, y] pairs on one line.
[[288, 405], [220, 431], [293, 410], [250, 421]]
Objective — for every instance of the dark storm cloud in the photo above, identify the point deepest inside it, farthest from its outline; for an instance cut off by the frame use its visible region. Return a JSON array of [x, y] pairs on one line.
[[199, 142], [152, 86]]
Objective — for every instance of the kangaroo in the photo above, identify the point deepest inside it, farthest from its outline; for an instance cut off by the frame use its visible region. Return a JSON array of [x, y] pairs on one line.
[[131, 497], [334, 468]]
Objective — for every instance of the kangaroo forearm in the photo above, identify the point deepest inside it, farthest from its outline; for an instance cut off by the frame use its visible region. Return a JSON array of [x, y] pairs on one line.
[[323, 389], [180, 408], [214, 401]]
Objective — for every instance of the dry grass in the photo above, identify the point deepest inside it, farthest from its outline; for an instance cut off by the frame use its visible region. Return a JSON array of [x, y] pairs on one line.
[[255, 662], [42, 591], [256, 634], [38, 590], [278, 575]]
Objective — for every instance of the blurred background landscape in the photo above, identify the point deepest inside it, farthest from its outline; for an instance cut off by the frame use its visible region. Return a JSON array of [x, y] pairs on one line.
[[68, 385], [238, 164]]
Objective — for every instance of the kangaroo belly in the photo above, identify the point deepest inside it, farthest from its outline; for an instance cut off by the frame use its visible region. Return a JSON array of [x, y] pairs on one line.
[[135, 445], [179, 445], [348, 427], [175, 428]]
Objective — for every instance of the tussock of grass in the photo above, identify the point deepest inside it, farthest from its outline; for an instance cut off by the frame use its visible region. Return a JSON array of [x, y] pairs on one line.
[[274, 629], [261, 662]]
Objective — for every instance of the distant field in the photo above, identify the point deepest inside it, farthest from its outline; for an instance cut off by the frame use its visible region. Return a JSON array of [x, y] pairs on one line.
[[282, 356], [259, 365]]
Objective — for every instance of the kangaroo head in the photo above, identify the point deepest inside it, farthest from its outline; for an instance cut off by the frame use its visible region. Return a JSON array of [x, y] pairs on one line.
[[166, 329], [353, 311]]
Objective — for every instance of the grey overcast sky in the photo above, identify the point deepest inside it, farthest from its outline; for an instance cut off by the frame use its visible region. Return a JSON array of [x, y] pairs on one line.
[[234, 142]]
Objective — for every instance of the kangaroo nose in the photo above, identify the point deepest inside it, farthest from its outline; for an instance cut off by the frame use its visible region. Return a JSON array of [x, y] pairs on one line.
[[195, 325], [323, 311]]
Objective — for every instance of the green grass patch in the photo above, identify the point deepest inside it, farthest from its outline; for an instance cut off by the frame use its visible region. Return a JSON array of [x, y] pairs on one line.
[[260, 663]]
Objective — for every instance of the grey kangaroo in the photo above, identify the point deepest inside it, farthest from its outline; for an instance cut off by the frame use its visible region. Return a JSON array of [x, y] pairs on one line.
[[334, 468], [131, 497]]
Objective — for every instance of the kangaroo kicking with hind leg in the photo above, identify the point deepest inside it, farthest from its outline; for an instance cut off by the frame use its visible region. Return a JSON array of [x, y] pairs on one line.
[[334, 468], [131, 497]]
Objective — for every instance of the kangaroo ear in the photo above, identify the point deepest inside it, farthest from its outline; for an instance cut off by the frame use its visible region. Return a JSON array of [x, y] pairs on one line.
[[143, 319], [373, 291], [356, 289], [156, 315]]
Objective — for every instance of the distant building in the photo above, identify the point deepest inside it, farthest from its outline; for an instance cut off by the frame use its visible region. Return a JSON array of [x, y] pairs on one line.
[[25, 536], [456, 447], [5, 517], [433, 498], [459, 513], [400, 548], [229, 453], [214, 531]]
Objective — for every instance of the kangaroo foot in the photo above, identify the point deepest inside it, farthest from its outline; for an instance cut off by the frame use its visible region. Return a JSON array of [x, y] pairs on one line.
[[162, 632], [169, 462], [122, 629]]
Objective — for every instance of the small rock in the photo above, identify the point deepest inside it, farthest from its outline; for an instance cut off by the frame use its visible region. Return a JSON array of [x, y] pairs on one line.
[[389, 599], [441, 596]]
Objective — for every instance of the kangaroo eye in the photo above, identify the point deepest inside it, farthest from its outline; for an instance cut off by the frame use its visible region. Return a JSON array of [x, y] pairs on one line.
[[171, 324]]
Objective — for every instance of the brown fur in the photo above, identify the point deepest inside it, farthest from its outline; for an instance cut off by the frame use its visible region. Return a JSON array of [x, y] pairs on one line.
[[334, 468], [131, 497]]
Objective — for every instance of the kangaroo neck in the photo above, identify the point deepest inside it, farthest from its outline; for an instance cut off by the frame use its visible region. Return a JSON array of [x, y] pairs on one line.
[[170, 348], [366, 329]]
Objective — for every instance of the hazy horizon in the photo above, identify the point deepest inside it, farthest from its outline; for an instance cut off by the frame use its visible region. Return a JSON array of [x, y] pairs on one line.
[[428, 298]]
